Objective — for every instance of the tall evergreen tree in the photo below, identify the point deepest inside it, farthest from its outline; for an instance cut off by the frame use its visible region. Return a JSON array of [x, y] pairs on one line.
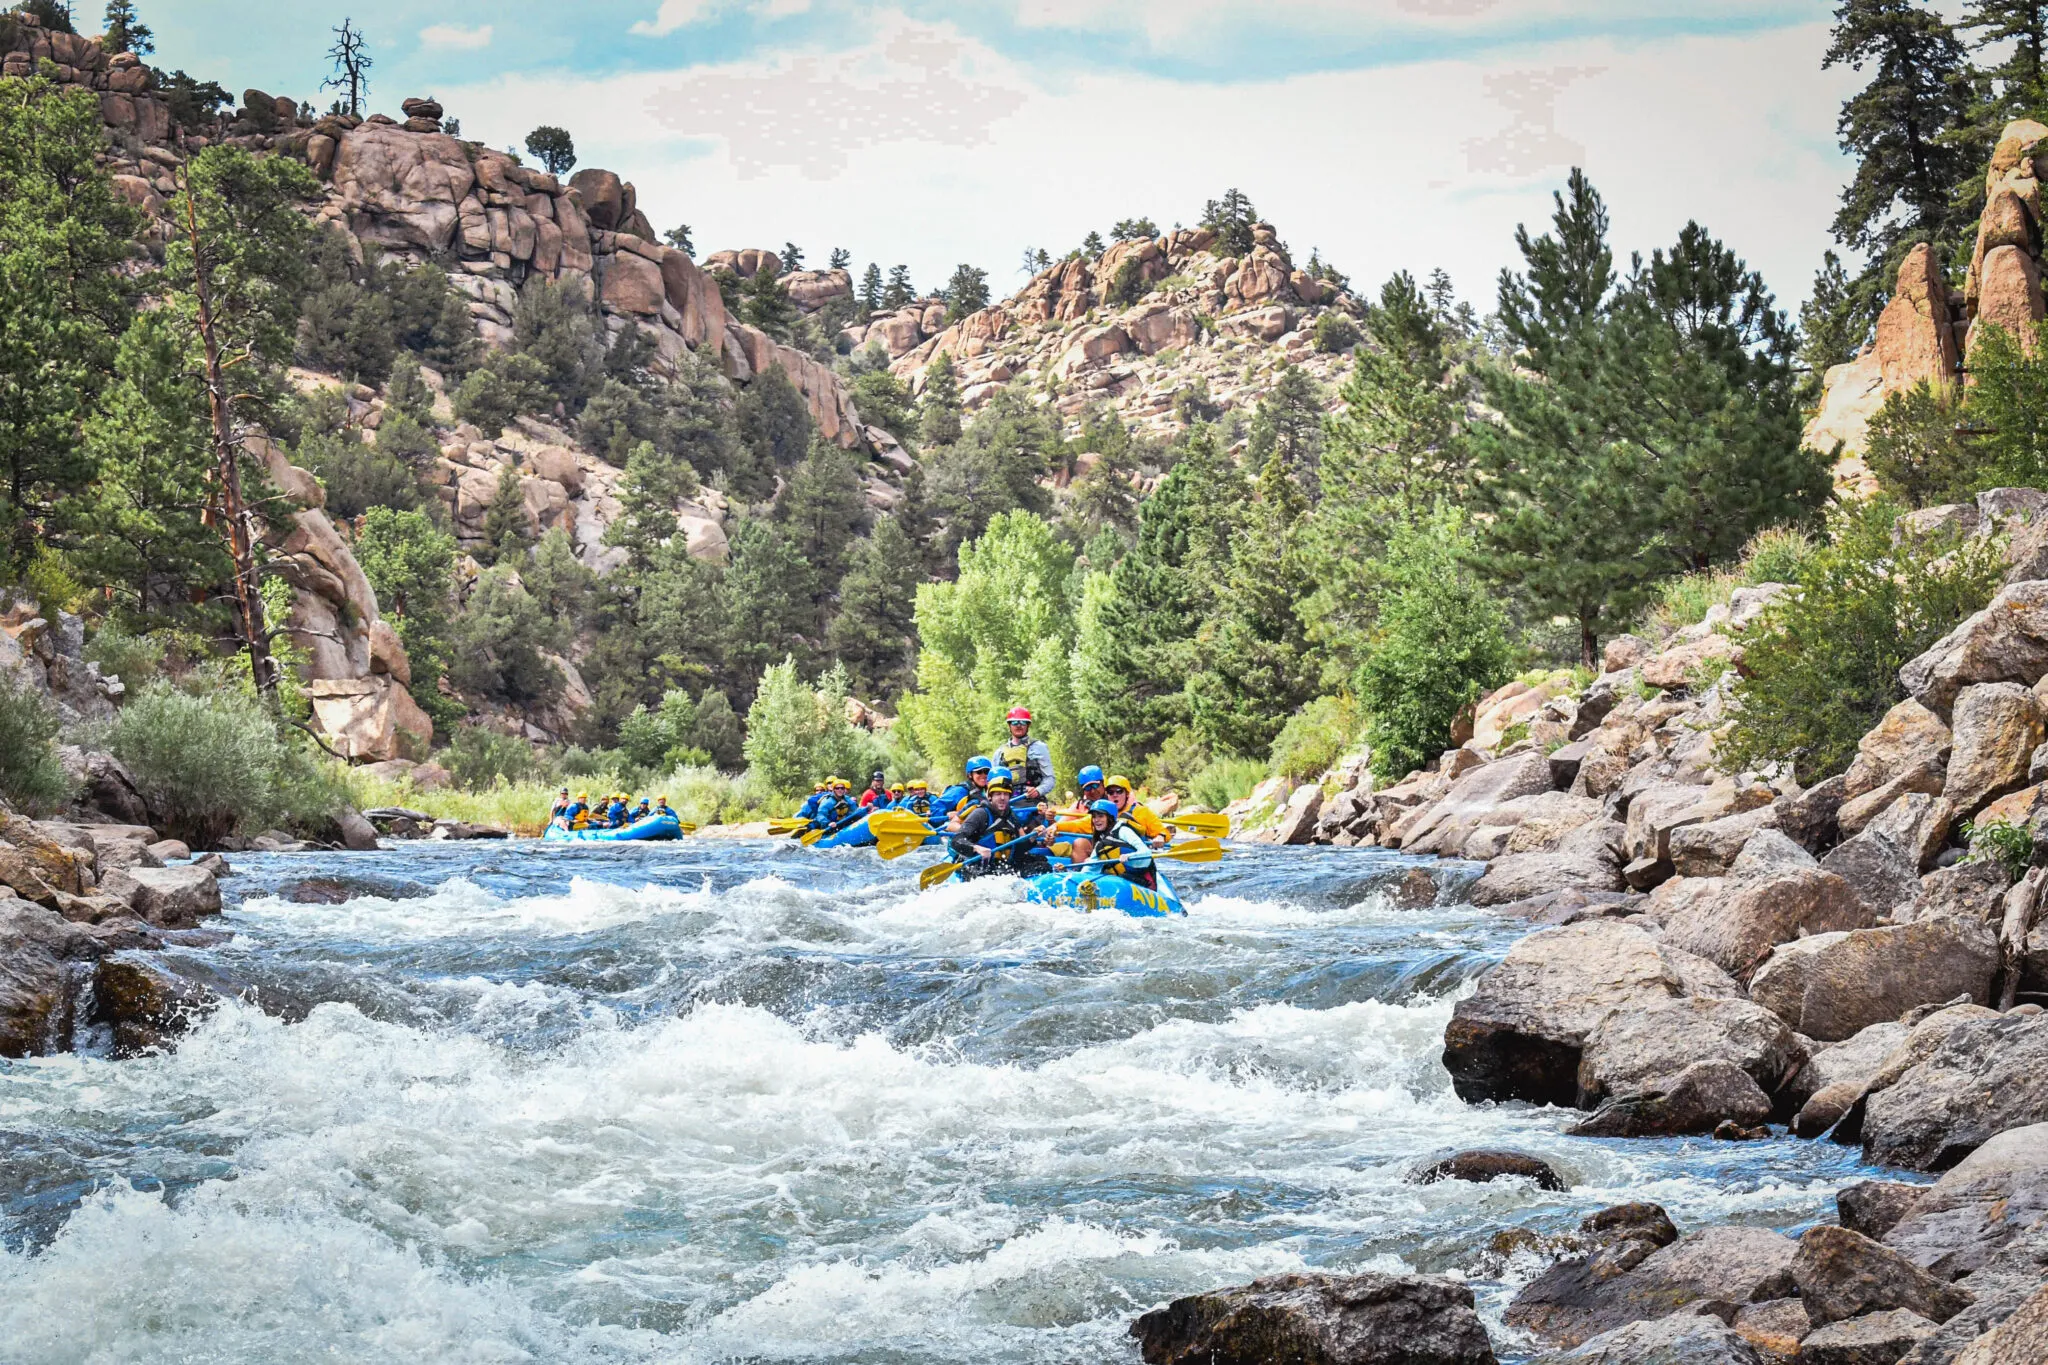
[[966, 292], [875, 632], [822, 511], [774, 426], [1256, 667], [898, 292], [125, 32], [1289, 420], [870, 290], [1833, 325], [507, 534], [769, 591], [1919, 91], [938, 406], [2019, 82], [768, 306]]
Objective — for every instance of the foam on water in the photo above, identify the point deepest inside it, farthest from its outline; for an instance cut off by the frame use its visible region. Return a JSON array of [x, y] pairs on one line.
[[1090, 1115]]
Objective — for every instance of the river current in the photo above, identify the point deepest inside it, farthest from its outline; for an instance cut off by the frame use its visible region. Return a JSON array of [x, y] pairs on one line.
[[744, 1101]]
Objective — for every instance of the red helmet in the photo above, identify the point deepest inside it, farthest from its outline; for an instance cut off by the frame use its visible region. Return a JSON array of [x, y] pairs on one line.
[[1020, 713]]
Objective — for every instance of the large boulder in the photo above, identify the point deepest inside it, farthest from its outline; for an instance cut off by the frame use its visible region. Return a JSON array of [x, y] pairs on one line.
[[1914, 340], [43, 960], [1874, 1339], [1521, 1034], [370, 719], [1471, 801], [1368, 1319], [2021, 1339], [167, 897], [1580, 1298], [1698, 1099], [1636, 1048], [1482, 1166], [1773, 893], [144, 1006], [1997, 728], [37, 867], [1877, 870], [2005, 642], [1909, 735], [401, 189], [1587, 859], [1843, 1274], [1973, 889], [1833, 986], [1982, 1076], [1995, 1196]]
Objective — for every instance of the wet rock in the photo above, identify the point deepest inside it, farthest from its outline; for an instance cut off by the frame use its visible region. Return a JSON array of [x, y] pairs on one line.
[[1588, 859], [1482, 1165], [1697, 1099], [1996, 1196], [400, 822], [1635, 1049], [1843, 1274], [463, 829], [1578, 1299], [1825, 1108], [1572, 905], [1877, 870], [1329, 1319], [1983, 1076], [1682, 1339], [41, 957], [1874, 1207], [146, 1006], [1877, 1339], [1520, 1034], [357, 834], [1833, 986]]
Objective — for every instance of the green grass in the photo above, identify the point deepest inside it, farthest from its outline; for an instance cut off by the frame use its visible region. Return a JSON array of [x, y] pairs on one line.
[[1773, 555]]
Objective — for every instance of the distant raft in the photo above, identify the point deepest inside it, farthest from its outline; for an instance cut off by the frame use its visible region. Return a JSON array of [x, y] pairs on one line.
[[660, 825]]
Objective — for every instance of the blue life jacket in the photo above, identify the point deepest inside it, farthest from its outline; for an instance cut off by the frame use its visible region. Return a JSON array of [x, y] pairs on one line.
[[810, 807]]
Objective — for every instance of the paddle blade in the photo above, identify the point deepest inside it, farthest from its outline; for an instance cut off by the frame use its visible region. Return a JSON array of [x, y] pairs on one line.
[[687, 828], [1210, 826], [1194, 851], [811, 836], [784, 826], [893, 848], [897, 822], [932, 876]]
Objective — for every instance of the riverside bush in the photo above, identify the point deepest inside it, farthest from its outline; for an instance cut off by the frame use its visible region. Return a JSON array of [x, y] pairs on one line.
[[1823, 662], [1225, 780], [478, 758], [31, 777], [1315, 737], [797, 734], [212, 761]]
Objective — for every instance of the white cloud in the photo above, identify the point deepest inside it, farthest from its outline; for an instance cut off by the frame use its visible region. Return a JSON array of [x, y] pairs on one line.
[[929, 148], [675, 14], [451, 35]]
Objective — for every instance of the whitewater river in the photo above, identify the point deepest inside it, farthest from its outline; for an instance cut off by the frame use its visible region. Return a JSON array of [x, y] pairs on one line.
[[708, 1102]]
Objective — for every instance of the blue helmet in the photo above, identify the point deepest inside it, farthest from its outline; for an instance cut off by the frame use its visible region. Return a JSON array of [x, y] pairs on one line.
[[1090, 776], [979, 765], [1104, 808], [1002, 775]]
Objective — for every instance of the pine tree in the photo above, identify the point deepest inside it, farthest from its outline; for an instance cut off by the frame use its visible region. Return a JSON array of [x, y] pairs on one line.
[[769, 592], [1894, 127], [840, 259], [1092, 245], [898, 294], [792, 257], [938, 407], [871, 290], [1289, 420], [506, 530], [1832, 325], [822, 510], [125, 32], [774, 426], [2020, 82], [966, 292], [1136, 647], [875, 632], [768, 306], [1231, 219], [1256, 665], [553, 147]]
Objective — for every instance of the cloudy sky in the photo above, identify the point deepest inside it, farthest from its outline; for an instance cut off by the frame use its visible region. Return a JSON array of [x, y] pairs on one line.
[[1385, 133]]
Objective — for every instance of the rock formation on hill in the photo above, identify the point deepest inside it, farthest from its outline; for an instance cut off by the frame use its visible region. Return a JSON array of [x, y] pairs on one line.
[[1133, 328], [1928, 332]]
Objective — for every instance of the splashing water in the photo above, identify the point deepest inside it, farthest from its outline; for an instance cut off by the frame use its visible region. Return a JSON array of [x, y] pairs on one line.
[[701, 1102]]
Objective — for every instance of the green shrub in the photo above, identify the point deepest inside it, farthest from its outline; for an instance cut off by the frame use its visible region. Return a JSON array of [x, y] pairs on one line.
[[2003, 842], [1128, 284], [212, 761], [797, 733], [479, 758], [1335, 333], [1181, 755], [1776, 554], [1225, 780], [357, 477], [134, 659], [1315, 737], [1823, 662], [31, 777], [1685, 600]]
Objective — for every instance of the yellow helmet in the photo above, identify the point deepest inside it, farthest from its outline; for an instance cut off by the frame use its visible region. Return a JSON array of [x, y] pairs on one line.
[[582, 796], [1118, 784], [817, 786], [918, 784]]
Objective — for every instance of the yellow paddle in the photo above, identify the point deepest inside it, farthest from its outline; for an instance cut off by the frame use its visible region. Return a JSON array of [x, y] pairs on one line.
[[1192, 851], [893, 846], [900, 823], [779, 827], [1209, 826]]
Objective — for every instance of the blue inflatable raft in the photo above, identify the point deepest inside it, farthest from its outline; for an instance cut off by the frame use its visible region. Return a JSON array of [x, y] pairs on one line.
[[665, 825], [1093, 891], [854, 835]]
